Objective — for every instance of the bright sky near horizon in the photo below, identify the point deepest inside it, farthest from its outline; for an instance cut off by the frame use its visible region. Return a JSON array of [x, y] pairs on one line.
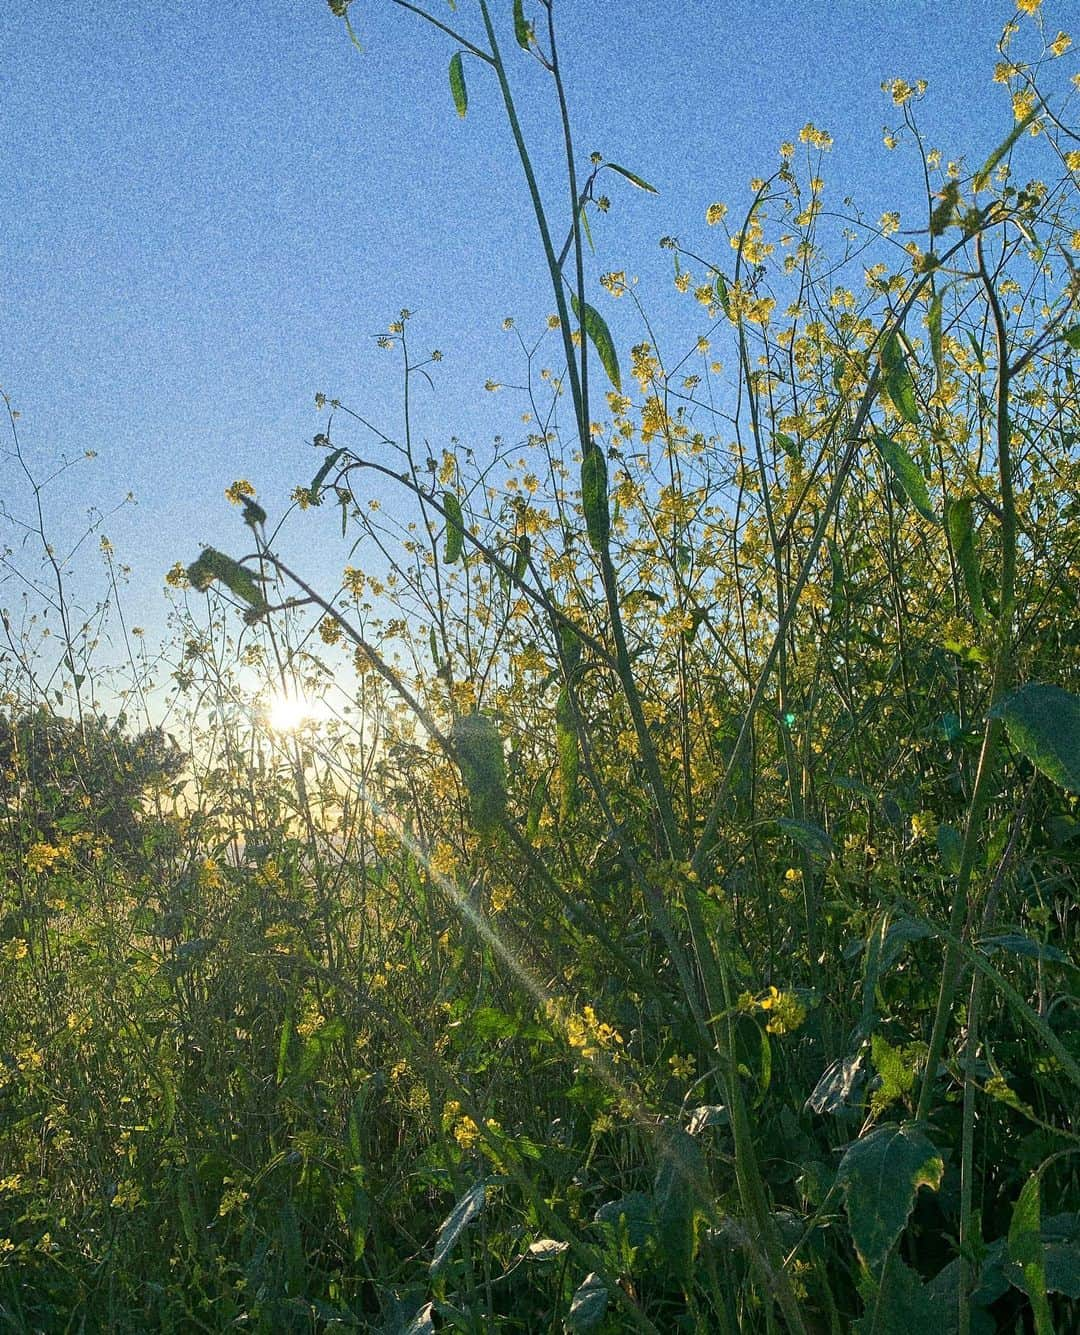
[[208, 216]]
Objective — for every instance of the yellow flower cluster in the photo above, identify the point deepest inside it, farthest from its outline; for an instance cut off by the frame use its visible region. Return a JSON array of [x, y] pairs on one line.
[[237, 490], [815, 137]]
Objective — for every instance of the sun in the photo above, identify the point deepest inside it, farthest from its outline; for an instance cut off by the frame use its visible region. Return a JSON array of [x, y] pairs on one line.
[[288, 711]]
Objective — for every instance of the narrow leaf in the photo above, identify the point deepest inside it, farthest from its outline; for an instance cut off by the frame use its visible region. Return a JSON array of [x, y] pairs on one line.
[[907, 473], [522, 27], [1025, 1248], [457, 84], [961, 530], [1043, 722], [600, 336], [324, 470], [456, 1222], [455, 528], [899, 385], [982, 176], [933, 320], [594, 497], [632, 177], [566, 743]]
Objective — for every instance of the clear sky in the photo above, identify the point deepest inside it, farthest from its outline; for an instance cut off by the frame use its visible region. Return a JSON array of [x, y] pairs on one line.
[[208, 209]]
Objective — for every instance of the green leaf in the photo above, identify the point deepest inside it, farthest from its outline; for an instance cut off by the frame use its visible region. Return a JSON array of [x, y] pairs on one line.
[[566, 742], [632, 177], [789, 445], [324, 471], [456, 1222], [457, 84], [933, 320], [588, 1305], [681, 1179], [880, 1174], [285, 1040], [1043, 722], [594, 497], [522, 27], [600, 336], [213, 564], [722, 294], [838, 596], [478, 749], [982, 176], [899, 385], [1071, 336], [961, 531], [907, 473], [455, 528], [896, 1068], [521, 562], [898, 1305], [809, 836], [1025, 1249]]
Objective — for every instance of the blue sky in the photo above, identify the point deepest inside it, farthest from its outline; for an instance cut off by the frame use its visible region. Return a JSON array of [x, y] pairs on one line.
[[207, 215]]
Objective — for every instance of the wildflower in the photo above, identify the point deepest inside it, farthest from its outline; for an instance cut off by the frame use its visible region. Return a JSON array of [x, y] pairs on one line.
[[40, 857], [924, 825], [785, 1009], [815, 137], [1022, 102], [715, 213], [236, 492], [1029, 7], [682, 1068], [1060, 44]]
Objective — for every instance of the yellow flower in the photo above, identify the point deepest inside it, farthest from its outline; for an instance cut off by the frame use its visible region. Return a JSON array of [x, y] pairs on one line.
[[786, 1011], [815, 137], [682, 1068], [40, 857], [889, 223], [715, 213], [1060, 44], [236, 492], [1028, 6], [1022, 102]]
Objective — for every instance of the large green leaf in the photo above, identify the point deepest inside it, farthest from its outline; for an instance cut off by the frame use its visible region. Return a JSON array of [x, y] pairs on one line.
[[457, 84], [681, 1179], [588, 1305], [880, 1175], [479, 752], [1025, 1249], [1043, 722], [897, 1305], [599, 334], [899, 385], [907, 473], [457, 1221], [594, 497]]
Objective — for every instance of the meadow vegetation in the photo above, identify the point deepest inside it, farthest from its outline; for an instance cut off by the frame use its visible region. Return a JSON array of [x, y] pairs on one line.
[[668, 920]]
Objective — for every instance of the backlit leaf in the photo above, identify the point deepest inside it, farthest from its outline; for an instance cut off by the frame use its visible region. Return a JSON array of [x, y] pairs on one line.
[[594, 497], [600, 337], [899, 385], [457, 84], [522, 27], [907, 473], [961, 530], [632, 177], [455, 528]]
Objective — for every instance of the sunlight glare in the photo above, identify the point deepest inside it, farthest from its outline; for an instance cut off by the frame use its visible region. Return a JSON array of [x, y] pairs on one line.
[[288, 711]]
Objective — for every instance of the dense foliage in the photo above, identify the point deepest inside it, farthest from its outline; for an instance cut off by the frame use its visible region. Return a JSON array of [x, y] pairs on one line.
[[678, 931]]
